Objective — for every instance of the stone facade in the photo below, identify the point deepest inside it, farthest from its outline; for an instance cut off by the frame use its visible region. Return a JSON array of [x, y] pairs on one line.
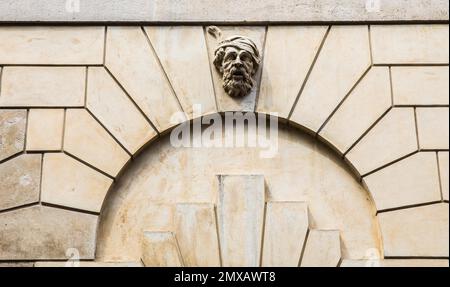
[[84, 117]]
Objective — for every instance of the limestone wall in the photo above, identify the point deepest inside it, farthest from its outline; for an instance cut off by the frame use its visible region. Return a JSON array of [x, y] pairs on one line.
[[79, 103]]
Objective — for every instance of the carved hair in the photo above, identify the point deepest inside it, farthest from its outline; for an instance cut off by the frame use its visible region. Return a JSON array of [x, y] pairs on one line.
[[241, 43]]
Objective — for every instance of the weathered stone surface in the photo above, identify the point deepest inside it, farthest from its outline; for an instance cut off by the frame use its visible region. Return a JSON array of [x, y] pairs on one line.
[[343, 59], [43, 86], [12, 132], [51, 45], [70, 183], [158, 11], [284, 68], [367, 102], [183, 54], [410, 44], [196, 231], [444, 172], [419, 231], [241, 217], [433, 128], [45, 129], [420, 85], [86, 264], [413, 180], [45, 233], [302, 170], [87, 140], [160, 249], [131, 60], [224, 101], [394, 136], [19, 181], [323, 249], [285, 231], [106, 100], [395, 263]]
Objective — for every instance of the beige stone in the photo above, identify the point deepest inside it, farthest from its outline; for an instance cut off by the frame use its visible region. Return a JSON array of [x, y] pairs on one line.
[[286, 225], [131, 60], [433, 128], [45, 129], [420, 231], [413, 180], [395, 263], [409, 44], [420, 85], [160, 249], [343, 59], [302, 170], [20, 180], [50, 264], [87, 140], [284, 68], [106, 100], [43, 86], [12, 132], [45, 233], [393, 137], [70, 183], [443, 168], [322, 249], [49, 45], [224, 101], [240, 213], [184, 56], [196, 231], [365, 104]]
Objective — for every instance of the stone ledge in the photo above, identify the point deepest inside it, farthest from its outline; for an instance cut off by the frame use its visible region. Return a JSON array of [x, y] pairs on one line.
[[268, 11]]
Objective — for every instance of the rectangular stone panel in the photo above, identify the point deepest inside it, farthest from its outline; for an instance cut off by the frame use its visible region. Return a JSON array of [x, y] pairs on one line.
[[157, 11], [51, 45], [433, 128], [285, 231], [160, 249], [413, 180], [412, 232], [240, 214], [322, 249], [46, 233], [196, 230], [12, 132], [410, 44], [45, 129], [420, 85], [20, 180], [43, 86]]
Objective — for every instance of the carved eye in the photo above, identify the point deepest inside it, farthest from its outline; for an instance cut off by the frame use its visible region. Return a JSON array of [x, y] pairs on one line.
[[230, 56], [245, 57]]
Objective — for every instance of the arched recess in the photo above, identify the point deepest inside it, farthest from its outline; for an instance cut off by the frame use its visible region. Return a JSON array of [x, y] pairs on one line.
[[314, 191]]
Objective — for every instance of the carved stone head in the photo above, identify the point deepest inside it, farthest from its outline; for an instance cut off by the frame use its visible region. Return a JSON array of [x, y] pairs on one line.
[[237, 59]]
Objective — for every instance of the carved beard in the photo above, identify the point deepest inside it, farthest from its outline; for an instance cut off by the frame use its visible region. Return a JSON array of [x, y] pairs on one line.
[[237, 82]]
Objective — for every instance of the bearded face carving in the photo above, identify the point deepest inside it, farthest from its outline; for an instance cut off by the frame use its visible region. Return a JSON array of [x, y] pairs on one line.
[[237, 58]]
